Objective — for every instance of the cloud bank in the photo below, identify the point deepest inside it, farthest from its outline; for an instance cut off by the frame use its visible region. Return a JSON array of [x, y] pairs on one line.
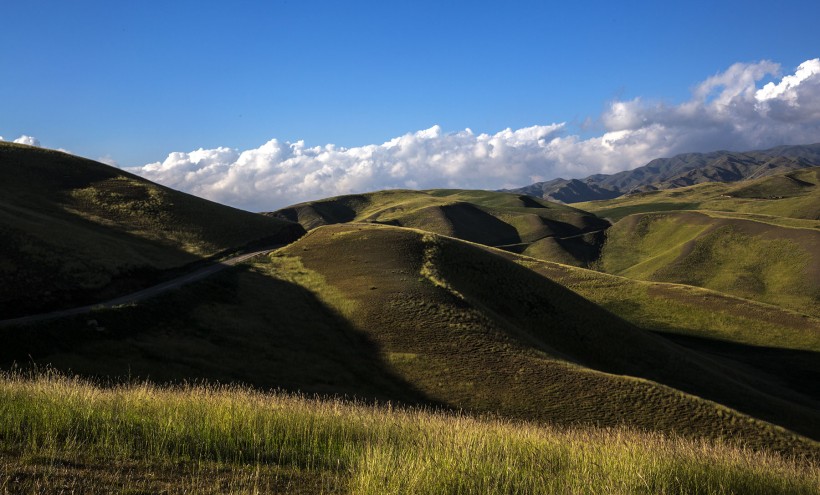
[[730, 110]]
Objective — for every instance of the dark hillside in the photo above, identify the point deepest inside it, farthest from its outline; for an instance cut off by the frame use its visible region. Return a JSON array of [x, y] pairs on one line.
[[75, 231]]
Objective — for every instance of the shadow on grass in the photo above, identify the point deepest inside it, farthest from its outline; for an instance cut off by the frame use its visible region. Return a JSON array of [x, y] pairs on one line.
[[237, 327], [106, 262], [796, 369]]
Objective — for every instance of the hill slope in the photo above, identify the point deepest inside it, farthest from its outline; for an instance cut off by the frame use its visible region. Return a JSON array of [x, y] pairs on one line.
[[517, 223], [678, 171], [76, 231], [748, 258], [411, 316]]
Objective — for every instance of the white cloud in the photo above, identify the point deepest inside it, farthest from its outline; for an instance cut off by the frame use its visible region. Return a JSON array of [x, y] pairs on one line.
[[107, 159], [726, 111], [31, 141]]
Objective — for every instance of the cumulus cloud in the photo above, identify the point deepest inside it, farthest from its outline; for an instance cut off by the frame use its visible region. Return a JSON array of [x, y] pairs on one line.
[[31, 141], [729, 110]]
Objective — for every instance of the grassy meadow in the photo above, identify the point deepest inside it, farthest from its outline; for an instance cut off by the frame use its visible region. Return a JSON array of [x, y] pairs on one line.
[[64, 434], [687, 310], [450, 344]]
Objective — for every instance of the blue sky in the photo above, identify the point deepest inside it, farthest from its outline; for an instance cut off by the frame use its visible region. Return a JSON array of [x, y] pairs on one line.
[[135, 81]]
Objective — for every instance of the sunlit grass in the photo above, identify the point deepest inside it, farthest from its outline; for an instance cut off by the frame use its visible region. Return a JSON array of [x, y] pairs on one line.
[[57, 432]]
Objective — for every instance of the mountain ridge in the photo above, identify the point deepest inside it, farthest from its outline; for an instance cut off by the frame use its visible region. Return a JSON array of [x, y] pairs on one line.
[[681, 170]]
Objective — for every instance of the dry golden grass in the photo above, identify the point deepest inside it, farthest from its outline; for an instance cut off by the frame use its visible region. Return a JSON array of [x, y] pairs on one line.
[[63, 435]]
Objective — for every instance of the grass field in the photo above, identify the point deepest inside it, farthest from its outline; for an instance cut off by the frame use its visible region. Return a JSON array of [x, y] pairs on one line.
[[62, 434], [520, 223], [76, 231], [784, 346]]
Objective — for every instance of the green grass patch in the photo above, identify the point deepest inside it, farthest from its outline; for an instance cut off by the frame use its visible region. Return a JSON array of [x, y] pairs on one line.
[[688, 310], [792, 195]]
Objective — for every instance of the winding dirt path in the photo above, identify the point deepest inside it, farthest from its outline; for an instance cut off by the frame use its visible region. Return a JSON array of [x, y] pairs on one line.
[[139, 295]]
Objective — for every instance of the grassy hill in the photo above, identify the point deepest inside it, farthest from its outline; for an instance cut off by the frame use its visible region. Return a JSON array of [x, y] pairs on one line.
[[748, 258], [782, 345], [517, 223], [406, 315], [76, 231], [60, 435], [756, 239]]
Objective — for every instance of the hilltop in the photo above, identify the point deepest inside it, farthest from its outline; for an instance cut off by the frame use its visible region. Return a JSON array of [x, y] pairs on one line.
[[678, 171], [789, 199], [77, 231]]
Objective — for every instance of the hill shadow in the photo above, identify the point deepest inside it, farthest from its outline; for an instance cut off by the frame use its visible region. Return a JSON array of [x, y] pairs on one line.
[[99, 263], [238, 327], [797, 370], [476, 225]]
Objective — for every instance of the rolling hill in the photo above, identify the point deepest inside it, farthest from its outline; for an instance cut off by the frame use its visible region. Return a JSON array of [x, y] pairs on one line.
[[678, 171], [756, 239], [514, 222], [410, 316], [752, 259], [76, 231]]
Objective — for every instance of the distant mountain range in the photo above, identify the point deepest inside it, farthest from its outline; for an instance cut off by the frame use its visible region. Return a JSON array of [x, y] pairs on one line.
[[680, 170]]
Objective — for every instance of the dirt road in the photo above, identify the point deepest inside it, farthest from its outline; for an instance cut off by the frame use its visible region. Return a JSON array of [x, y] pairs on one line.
[[139, 295]]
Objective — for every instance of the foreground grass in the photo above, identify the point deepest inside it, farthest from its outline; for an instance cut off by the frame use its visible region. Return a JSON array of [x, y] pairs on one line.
[[58, 433]]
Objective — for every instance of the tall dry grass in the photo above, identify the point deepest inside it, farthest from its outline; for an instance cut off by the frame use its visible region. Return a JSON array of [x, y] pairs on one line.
[[57, 432]]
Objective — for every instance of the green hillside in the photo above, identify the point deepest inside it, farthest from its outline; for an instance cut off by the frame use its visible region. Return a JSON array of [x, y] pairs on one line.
[[76, 231], [687, 310], [521, 224], [748, 258], [406, 315], [782, 345]]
